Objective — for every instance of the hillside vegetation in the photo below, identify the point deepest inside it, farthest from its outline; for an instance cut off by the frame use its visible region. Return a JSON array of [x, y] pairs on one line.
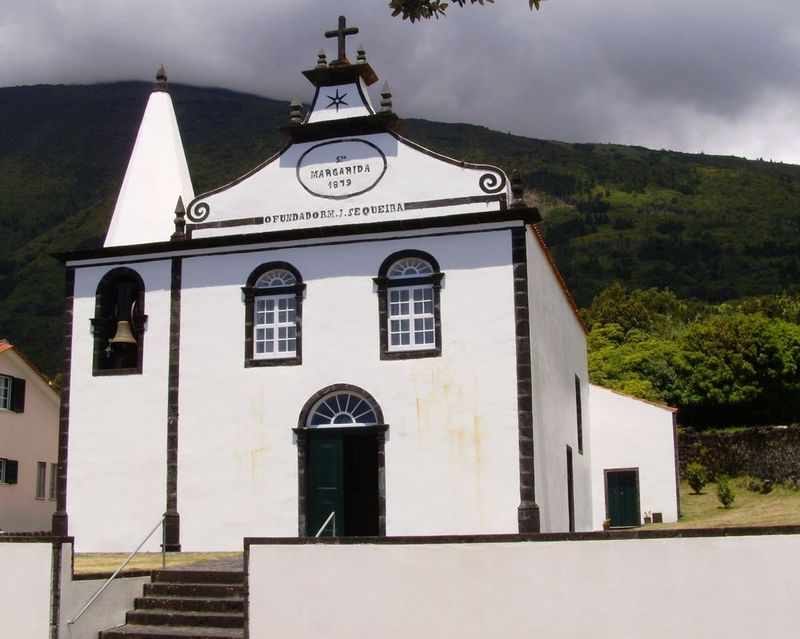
[[710, 228]]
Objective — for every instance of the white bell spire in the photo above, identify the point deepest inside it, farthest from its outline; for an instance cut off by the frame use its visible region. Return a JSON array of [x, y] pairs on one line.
[[156, 177]]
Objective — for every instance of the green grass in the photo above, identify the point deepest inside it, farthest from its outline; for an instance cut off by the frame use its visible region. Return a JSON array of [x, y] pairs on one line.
[[781, 507], [89, 563]]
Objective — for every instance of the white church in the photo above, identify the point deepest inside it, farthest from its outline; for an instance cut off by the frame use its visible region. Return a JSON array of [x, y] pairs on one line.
[[359, 337]]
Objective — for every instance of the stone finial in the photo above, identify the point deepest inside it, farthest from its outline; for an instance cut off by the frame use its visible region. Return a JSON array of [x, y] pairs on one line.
[[322, 59], [517, 191], [361, 53], [386, 98], [296, 111], [161, 79], [180, 221]]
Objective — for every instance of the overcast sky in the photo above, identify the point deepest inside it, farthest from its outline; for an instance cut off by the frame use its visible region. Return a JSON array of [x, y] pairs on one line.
[[719, 76]]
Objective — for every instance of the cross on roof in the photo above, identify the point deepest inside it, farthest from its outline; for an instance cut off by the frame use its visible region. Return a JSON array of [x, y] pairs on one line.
[[340, 34]]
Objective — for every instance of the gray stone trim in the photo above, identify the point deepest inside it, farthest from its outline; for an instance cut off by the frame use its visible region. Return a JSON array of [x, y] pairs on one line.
[[55, 588], [528, 511], [172, 522], [59, 522]]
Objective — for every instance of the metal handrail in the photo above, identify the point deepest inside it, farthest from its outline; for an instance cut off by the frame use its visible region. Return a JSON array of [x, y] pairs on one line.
[[331, 516], [125, 563]]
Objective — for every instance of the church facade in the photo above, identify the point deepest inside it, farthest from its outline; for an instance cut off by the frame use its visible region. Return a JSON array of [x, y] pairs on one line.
[[358, 337]]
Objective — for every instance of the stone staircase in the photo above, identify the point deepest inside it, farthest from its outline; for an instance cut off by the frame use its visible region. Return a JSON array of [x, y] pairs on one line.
[[182, 604]]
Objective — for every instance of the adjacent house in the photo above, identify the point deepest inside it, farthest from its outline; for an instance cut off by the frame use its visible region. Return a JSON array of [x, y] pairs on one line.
[[29, 408]]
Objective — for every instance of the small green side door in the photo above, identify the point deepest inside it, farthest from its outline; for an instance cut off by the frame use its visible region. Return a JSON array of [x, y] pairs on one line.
[[325, 483], [622, 493]]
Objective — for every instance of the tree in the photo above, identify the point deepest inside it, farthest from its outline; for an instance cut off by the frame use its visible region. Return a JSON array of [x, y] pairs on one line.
[[423, 9]]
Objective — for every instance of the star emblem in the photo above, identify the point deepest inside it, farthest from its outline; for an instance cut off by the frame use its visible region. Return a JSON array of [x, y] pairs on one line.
[[336, 100]]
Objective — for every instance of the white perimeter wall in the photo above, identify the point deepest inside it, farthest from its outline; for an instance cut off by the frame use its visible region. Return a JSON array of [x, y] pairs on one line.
[[116, 473], [732, 587], [452, 444], [631, 433], [107, 611], [25, 589], [558, 353]]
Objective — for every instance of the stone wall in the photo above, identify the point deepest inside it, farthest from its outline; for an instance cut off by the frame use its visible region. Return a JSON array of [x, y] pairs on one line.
[[764, 452]]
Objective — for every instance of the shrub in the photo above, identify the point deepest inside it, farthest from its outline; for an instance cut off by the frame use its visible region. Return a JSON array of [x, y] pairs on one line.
[[697, 476], [725, 492]]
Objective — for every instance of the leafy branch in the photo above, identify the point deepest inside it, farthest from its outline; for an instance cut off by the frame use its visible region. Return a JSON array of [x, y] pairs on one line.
[[424, 9]]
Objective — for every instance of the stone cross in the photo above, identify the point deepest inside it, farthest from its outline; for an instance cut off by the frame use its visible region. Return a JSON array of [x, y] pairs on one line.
[[340, 34]]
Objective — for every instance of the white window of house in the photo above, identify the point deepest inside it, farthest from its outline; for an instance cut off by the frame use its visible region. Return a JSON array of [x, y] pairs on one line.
[[12, 394], [408, 296], [41, 479], [5, 392], [8, 471], [275, 320], [53, 478]]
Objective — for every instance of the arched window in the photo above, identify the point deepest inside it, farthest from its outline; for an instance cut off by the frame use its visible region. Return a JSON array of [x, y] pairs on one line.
[[409, 283], [118, 324], [343, 409], [273, 301]]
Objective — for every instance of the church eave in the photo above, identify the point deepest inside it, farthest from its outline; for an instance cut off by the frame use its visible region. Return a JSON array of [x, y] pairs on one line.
[[362, 125], [522, 216], [341, 74]]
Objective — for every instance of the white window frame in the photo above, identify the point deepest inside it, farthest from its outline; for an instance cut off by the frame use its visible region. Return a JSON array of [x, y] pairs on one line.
[[2, 471], [5, 392], [414, 316], [53, 490], [283, 331], [41, 479]]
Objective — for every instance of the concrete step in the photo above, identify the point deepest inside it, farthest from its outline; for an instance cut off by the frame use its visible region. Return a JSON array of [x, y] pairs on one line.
[[193, 590], [200, 604], [171, 632], [186, 604], [184, 618], [180, 575]]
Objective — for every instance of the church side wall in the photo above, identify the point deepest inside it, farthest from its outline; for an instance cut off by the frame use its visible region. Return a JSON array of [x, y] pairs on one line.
[[633, 434], [451, 453], [116, 473], [558, 355]]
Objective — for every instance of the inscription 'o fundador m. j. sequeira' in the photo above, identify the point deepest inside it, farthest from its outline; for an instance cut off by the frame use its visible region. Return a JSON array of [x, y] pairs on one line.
[[341, 169]]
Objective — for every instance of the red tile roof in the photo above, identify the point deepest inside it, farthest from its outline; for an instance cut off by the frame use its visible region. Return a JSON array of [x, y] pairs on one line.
[[5, 345]]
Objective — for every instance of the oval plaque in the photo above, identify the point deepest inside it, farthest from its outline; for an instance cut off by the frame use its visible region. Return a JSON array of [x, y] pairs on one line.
[[341, 168]]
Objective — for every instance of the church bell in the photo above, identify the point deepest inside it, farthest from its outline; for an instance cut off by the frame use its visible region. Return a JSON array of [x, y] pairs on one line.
[[124, 334]]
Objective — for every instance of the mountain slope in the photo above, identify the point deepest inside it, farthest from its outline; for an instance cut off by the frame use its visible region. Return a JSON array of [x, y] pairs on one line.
[[711, 228]]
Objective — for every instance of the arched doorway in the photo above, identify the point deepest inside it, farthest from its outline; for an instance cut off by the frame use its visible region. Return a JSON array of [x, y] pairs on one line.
[[341, 439]]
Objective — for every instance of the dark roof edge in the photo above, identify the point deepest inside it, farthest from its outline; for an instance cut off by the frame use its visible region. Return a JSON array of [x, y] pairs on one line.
[[524, 215]]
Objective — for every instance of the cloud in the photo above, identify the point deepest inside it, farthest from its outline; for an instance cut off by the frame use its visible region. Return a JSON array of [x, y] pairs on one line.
[[718, 75]]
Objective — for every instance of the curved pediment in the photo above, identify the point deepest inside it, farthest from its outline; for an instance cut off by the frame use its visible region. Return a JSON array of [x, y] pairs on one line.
[[357, 179]]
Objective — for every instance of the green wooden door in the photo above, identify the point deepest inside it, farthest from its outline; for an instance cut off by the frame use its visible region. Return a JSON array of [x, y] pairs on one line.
[[622, 491], [325, 483]]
